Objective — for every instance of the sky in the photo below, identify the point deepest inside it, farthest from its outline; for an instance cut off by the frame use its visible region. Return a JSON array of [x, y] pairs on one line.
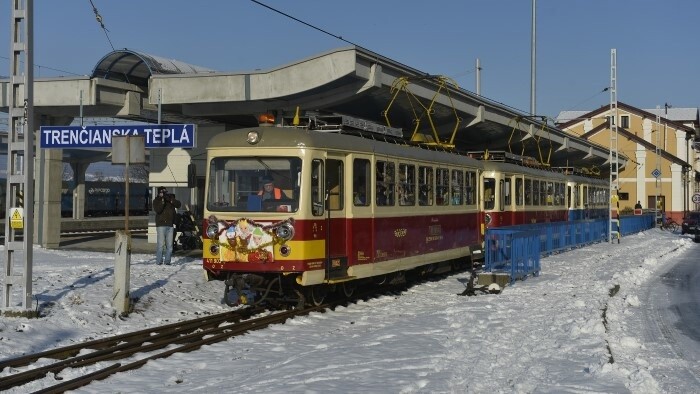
[[545, 334], [655, 41]]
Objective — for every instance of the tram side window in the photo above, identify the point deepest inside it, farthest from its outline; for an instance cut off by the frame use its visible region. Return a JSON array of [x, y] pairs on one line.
[[361, 175], [596, 196], [535, 192], [489, 193], [606, 196], [407, 184], [549, 193], [559, 194], [543, 193], [584, 194], [385, 183], [457, 187], [317, 192], [470, 189], [529, 200], [425, 182], [334, 184], [442, 188], [519, 191], [507, 196]]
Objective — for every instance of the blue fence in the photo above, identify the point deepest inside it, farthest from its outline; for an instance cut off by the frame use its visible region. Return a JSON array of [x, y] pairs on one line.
[[630, 224], [517, 249], [515, 252]]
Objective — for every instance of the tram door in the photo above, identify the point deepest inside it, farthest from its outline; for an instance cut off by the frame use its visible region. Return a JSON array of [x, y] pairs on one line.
[[336, 256]]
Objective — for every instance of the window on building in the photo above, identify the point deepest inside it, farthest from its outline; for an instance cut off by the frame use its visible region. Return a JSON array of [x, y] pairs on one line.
[[625, 121]]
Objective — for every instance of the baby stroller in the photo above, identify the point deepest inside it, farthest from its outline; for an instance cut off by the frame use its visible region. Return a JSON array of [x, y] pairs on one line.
[[187, 235]]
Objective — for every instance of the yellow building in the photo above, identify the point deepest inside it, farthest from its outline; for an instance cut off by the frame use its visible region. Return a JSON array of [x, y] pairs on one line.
[[663, 166]]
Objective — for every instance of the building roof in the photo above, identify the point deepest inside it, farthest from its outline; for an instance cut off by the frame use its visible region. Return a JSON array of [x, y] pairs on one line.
[[567, 119], [680, 115]]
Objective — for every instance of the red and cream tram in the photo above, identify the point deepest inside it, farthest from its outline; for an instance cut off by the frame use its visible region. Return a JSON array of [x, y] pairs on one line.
[[352, 211]]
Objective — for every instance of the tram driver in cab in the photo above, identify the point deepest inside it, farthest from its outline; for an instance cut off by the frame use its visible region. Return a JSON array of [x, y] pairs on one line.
[[269, 191]]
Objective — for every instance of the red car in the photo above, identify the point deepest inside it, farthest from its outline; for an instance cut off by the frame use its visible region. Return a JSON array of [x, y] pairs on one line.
[[691, 225]]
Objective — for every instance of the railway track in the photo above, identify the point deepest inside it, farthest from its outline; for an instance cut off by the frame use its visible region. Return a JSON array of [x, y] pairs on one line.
[[151, 344], [187, 335]]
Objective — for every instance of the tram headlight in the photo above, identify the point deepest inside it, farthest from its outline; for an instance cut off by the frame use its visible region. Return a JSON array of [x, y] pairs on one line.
[[253, 137], [285, 231], [285, 250], [212, 231], [214, 249]]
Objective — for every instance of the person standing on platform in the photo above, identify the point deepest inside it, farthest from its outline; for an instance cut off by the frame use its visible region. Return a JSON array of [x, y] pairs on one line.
[[164, 205], [638, 205]]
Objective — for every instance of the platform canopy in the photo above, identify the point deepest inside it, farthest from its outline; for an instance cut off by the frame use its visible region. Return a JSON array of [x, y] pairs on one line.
[[137, 67], [353, 81]]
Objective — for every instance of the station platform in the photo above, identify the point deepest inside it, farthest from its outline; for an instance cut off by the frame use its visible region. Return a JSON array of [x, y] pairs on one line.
[[105, 242], [103, 223]]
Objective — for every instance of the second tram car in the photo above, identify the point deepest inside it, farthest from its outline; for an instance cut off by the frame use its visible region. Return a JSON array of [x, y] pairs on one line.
[[515, 194]]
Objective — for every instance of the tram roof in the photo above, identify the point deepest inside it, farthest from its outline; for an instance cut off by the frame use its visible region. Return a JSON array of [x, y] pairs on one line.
[[288, 138]]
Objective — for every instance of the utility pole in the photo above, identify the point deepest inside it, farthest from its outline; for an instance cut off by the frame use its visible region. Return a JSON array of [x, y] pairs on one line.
[[613, 222], [478, 77], [657, 170], [20, 154]]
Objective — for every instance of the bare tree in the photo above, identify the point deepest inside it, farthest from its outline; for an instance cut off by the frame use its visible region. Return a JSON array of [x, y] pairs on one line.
[[67, 174], [138, 173]]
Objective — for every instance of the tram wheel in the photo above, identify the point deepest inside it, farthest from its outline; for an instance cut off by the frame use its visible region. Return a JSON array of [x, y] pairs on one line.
[[318, 294], [348, 289], [301, 302]]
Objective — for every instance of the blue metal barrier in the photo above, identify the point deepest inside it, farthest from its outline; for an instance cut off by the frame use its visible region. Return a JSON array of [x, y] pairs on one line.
[[517, 249], [512, 251], [630, 224]]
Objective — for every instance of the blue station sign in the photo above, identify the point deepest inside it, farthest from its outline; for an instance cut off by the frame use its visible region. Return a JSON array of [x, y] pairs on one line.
[[156, 136]]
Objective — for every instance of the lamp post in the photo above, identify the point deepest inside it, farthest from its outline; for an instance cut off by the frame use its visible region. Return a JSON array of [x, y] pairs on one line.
[[658, 165], [533, 59]]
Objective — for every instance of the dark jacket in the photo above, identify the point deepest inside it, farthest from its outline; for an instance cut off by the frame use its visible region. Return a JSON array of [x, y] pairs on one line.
[[165, 210]]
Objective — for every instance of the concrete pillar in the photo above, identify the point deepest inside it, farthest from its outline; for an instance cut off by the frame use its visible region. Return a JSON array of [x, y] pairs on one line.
[[676, 190], [50, 222], [79, 170], [641, 179], [121, 293], [47, 189]]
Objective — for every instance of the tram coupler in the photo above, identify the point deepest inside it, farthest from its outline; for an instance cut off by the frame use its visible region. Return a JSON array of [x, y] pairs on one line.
[[241, 283], [491, 285]]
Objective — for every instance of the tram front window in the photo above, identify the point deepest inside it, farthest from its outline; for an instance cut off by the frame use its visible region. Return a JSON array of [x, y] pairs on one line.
[[254, 184]]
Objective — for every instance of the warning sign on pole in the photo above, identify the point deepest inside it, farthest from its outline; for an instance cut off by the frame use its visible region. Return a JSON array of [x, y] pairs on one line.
[[17, 218]]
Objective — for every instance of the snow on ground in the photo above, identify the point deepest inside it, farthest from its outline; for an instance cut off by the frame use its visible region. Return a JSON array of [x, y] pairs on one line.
[[564, 331]]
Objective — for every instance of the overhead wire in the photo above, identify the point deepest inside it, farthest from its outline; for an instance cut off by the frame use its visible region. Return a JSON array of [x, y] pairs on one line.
[[306, 23], [589, 98], [98, 17], [46, 67]]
